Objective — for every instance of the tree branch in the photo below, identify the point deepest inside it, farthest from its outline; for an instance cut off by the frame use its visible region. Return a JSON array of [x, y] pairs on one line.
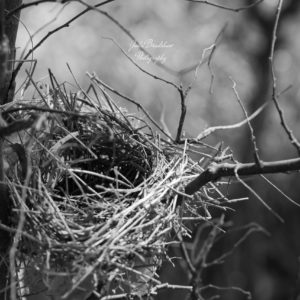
[[37, 2], [216, 171]]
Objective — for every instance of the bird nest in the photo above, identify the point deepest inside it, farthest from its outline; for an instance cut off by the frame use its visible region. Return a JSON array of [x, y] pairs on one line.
[[96, 201]]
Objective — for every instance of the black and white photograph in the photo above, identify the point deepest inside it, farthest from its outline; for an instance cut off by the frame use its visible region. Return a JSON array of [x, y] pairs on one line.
[[149, 149]]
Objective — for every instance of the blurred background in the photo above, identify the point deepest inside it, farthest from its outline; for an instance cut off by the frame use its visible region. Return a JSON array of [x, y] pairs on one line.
[[180, 34]]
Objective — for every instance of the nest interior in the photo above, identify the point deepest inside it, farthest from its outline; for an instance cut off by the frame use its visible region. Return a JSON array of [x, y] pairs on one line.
[[113, 156]]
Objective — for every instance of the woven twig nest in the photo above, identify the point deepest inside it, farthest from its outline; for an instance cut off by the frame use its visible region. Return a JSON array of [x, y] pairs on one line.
[[98, 203]]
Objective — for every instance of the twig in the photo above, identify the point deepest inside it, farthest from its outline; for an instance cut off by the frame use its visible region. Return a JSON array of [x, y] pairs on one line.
[[202, 255], [152, 292], [224, 288], [183, 95], [162, 117], [253, 138], [44, 109], [50, 33], [185, 255], [212, 129], [249, 229], [280, 111], [130, 35], [209, 62], [225, 7], [140, 68], [280, 191], [139, 106], [205, 133], [26, 5]]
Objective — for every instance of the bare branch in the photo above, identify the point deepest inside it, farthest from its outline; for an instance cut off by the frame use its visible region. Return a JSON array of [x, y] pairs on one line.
[[280, 111], [205, 133], [225, 7], [216, 171], [253, 192], [185, 255], [230, 288], [37, 2], [280, 191], [50, 33], [183, 95], [249, 229], [253, 138], [138, 105], [139, 67], [130, 35]]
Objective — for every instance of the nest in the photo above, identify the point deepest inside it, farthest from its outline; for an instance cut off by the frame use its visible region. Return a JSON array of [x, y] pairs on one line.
[[99, 202]]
